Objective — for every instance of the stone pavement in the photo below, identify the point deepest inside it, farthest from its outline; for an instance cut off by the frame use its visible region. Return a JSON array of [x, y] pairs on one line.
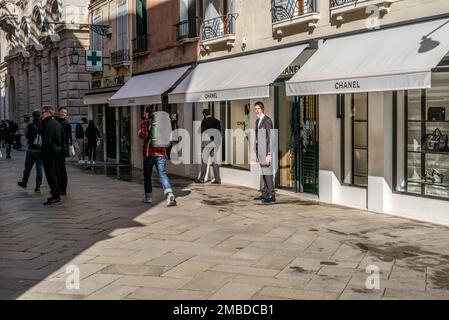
[[217, 244]]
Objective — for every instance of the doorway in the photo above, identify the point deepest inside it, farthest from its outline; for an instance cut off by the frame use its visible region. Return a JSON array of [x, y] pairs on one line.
[[125, 135], [297, 121], [111, 147]]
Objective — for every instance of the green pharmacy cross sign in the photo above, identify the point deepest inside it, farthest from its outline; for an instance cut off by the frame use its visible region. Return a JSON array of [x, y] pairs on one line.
[[94, 60]]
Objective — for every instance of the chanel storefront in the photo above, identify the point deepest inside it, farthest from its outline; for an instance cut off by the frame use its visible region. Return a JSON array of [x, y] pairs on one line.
[[383, 124]]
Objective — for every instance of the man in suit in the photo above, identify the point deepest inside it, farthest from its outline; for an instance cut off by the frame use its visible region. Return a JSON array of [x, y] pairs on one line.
[[264, 125], [207, 147], [53, 149]]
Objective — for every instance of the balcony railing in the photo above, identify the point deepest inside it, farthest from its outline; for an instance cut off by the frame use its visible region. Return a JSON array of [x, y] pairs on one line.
[[187, 29], [120, 57], [141, 44], [336, 3], [288, 9], [218, 27], [107, 82]]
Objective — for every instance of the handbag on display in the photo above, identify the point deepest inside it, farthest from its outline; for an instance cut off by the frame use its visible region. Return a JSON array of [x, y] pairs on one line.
[[436, 141], [436, 114]]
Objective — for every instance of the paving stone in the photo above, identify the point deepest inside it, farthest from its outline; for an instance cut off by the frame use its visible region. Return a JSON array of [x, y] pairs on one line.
[[235, 291], [188, 269], [168, 294], [297, 294]]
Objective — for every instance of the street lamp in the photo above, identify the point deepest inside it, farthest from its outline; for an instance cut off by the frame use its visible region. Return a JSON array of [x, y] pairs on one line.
[[74, 56]]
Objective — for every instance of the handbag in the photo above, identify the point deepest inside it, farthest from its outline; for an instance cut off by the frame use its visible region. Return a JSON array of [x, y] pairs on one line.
[[72, 150], [436, 114], [436, 141]]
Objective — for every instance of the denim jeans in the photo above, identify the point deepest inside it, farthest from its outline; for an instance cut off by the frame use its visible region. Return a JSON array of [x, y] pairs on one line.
[[33, 157], [148, 164]]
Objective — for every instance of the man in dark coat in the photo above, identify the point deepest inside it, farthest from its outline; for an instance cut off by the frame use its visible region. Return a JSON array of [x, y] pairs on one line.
[[207, 146], [34, 152], [9, 137], [53, 148], [264, 125], [61, 168]]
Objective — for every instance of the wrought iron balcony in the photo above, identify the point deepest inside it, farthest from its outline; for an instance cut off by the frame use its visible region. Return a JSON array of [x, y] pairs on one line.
[[141, 45], [282, 10], [107, 82], [187, 29], [120, 57], [336, 3], [340, 7], [220, 26]]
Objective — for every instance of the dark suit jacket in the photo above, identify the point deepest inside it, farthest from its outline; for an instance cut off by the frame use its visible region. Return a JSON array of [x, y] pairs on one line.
[[263, 142], [210, 123], [53, 137]]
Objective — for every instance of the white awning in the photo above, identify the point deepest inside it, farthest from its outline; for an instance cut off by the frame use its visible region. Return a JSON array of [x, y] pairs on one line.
[[98, 98], [385, 60], [147, 88], [236, 78]]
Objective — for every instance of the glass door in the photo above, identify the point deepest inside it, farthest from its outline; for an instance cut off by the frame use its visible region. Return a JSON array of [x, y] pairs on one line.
[[297, 123]]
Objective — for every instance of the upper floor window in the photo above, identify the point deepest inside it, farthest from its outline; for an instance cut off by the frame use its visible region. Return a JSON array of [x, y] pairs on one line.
[[97, 41], [218, 18], [122, 26], [187, 26], [141, 41]]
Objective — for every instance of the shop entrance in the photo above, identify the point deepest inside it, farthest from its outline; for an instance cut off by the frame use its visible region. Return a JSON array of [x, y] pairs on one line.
[[297, 122], [125, 134], [111, 147]]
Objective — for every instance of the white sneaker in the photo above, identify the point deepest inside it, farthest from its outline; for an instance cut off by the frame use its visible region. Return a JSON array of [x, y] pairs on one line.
[[171, 200], [147, 198]]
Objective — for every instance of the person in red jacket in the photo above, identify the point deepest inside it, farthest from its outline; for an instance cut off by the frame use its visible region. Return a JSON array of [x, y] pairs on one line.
[[153, 156]]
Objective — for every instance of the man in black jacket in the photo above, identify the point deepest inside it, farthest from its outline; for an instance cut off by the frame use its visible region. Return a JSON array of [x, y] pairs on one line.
[[34, 152], [53, 148], [207, 147], [61, 168], [264, 125]]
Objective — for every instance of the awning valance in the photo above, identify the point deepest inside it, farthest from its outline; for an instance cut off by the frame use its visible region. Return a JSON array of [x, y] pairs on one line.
[[385, 60], [237, 78], [147, 88]]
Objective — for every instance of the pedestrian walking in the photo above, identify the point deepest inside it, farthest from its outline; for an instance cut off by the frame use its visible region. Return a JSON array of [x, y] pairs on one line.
[[9, 137], [92, 134], [53, 148], [154, 156], [81, 140], [208, 146], [2, 133], [34, 153], [61, 166], [264, 125]]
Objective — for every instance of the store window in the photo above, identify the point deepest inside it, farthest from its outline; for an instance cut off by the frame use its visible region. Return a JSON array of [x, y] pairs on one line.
[[354, 130], [421, 129], [234, 115]]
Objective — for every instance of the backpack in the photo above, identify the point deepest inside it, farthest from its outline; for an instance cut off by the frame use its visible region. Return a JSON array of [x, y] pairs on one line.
[[38, 141], [160, 130]]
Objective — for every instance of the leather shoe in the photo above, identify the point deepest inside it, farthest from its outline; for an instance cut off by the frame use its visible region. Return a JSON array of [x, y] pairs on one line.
[[52, 200], [268, 200], [21, 184], [216, 182], [199, 181], [261, 197]]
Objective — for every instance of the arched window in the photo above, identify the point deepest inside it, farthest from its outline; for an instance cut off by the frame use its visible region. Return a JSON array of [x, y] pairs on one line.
[[37, 22]]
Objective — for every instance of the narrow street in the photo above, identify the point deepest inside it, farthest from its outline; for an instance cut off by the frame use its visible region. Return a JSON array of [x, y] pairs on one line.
[[216, 244]]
